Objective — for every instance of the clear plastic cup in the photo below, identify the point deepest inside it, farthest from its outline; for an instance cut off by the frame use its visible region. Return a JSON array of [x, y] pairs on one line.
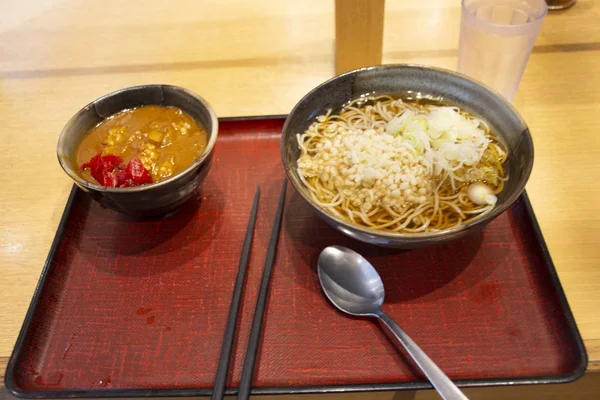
[[496, 38]]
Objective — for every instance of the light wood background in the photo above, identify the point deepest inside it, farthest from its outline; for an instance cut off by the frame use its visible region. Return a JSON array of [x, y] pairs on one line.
[[260, 57]]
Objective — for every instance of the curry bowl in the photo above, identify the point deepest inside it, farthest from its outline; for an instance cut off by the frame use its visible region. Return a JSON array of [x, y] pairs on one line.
[[410, 81], [152, 199]]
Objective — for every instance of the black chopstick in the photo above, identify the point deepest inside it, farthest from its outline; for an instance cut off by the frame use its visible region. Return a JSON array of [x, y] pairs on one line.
[[257, 322], [234, 308]]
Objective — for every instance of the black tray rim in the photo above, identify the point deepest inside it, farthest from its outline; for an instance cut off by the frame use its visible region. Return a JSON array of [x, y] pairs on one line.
[[280, 390]]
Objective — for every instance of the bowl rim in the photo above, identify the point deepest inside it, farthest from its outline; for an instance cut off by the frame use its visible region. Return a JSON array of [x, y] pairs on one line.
[[410, 236], [99, 188]]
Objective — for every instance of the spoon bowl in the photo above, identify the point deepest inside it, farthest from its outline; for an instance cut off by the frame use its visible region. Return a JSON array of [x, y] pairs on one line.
[[350, 282], [353, 285]]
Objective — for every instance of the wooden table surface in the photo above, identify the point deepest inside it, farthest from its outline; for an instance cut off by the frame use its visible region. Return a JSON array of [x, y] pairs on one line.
[[260, 57]]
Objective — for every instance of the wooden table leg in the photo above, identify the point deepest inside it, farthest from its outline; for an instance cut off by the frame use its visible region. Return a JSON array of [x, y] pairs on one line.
[[358, 33]]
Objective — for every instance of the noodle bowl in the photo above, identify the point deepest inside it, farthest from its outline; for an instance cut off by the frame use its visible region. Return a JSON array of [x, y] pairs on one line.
[[402, 166]]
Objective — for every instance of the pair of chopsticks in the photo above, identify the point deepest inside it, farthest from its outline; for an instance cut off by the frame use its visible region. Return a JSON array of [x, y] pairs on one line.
[[257, 322]]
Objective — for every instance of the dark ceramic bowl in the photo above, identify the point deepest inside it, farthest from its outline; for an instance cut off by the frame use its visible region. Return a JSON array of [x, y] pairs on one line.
[[147, 200], [409, 81]]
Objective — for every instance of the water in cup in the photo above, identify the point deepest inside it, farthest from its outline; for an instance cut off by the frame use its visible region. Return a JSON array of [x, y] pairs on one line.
[[496, 38]]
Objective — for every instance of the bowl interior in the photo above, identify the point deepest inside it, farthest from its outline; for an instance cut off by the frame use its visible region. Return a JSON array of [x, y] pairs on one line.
[[411, 81], [100, 109]]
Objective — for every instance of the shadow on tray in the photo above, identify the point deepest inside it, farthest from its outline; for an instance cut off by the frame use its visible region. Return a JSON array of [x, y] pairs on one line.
[[125, 246], [409, 275]]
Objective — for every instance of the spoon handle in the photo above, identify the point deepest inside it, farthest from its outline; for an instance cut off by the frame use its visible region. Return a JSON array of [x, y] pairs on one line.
[[445, 387]]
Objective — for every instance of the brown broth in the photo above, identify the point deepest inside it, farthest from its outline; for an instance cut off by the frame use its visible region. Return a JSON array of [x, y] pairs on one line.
[[165, 139]]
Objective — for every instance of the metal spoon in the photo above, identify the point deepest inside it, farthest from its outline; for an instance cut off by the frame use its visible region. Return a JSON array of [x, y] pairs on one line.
[[353, 285]]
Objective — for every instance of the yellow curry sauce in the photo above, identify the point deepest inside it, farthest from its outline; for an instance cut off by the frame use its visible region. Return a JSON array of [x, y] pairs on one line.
[[165, 139]]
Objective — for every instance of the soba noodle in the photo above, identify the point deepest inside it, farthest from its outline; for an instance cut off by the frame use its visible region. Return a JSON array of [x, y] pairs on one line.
[[401, 166]]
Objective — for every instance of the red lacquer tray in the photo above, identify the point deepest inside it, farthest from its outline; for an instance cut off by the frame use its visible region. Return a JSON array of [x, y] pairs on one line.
[[138, 308]]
